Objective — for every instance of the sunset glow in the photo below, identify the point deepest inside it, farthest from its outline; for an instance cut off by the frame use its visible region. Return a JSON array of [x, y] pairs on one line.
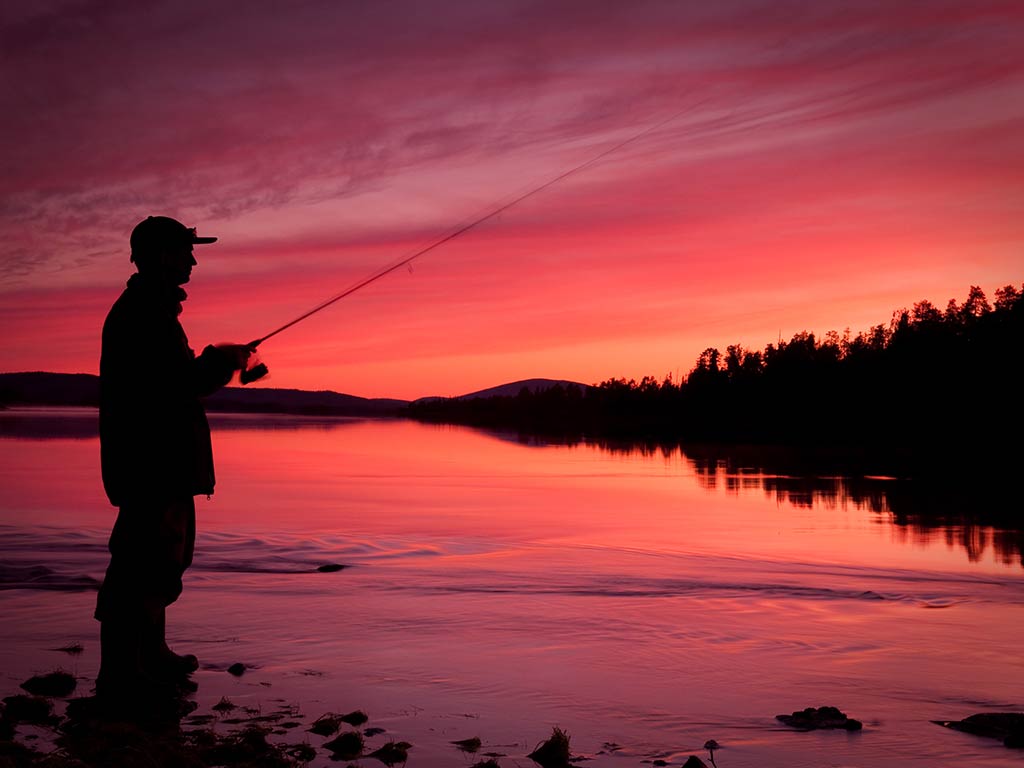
[[826, 164]]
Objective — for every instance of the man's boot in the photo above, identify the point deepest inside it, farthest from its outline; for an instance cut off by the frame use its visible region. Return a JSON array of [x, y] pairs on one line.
[[125, 691], [123, 682], [157, 657]]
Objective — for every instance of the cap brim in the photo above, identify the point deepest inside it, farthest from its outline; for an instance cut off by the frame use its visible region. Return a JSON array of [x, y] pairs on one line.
[[202, 240]]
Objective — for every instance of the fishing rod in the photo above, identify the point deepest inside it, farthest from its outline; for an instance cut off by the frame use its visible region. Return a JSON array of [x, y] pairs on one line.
[[260, 370]]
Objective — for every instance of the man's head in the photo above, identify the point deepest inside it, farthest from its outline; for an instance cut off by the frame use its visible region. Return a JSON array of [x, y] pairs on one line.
[[162, 247]]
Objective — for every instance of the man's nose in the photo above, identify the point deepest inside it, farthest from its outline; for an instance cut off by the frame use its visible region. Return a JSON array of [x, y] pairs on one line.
[[193, 260]]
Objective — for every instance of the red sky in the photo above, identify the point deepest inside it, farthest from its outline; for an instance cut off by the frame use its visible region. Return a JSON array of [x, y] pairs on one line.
[[831, 162]]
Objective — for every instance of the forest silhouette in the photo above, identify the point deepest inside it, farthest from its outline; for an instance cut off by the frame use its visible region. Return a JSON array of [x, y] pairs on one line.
[[932, 390]]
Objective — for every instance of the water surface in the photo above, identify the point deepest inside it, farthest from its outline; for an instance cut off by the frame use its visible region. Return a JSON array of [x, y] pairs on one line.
[[498, 589]]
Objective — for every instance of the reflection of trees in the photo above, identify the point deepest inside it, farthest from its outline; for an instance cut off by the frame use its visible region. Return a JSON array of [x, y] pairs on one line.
[[957, 510], [974, 517], [785, 476], [974, 538]]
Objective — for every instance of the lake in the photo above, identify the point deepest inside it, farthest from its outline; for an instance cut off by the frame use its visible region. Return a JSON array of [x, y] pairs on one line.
[[644, 601]]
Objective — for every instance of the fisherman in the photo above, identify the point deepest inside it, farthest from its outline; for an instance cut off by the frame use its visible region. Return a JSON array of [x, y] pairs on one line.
[[156, 456]]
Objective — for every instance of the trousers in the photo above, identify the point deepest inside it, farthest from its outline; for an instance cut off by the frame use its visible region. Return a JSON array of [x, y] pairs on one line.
[[151, 546]]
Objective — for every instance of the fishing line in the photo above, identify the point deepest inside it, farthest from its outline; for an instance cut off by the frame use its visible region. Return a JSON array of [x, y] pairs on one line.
[[466, 227]]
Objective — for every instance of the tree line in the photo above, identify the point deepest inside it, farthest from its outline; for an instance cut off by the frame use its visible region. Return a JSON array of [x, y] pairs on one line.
[[930, 383]]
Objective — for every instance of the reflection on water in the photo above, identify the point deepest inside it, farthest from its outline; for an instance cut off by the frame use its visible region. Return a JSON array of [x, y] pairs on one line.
[[975, 516], [961, 512], [84, 424], [49, 423]]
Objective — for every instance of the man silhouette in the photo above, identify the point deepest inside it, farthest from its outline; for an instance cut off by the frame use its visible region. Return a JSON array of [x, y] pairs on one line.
[[156, 456]]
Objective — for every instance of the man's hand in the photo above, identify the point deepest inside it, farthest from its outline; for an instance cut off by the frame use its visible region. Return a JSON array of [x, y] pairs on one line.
[[237, 354]]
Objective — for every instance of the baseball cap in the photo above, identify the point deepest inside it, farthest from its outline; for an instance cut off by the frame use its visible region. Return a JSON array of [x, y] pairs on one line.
[[155, 232]]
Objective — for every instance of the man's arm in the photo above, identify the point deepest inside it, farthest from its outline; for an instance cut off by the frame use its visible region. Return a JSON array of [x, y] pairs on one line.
[[214, 368]]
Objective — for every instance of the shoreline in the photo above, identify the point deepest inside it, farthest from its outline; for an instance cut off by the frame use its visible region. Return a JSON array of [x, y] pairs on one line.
[[74, 729], [62, 728]]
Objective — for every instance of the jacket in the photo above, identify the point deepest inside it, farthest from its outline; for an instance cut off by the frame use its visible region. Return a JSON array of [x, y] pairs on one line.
[[154, 434]]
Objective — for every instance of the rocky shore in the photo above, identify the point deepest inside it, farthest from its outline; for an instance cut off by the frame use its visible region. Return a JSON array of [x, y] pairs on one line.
[[51, 724]]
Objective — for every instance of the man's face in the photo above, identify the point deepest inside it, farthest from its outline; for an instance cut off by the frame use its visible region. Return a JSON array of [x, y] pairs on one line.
[[177, 263]]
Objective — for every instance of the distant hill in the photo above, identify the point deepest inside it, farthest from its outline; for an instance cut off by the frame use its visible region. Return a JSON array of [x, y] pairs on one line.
[[65, 389], [83, 389], [322, 402], [511, 389]]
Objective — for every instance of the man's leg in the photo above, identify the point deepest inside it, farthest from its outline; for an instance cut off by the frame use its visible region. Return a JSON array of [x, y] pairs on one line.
[[178, 542], [150, 547], [120, 662], [119, 609]]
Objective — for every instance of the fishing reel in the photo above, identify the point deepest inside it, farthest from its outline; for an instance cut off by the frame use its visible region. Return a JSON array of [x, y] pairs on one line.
[[254, 369], [254, 373]]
